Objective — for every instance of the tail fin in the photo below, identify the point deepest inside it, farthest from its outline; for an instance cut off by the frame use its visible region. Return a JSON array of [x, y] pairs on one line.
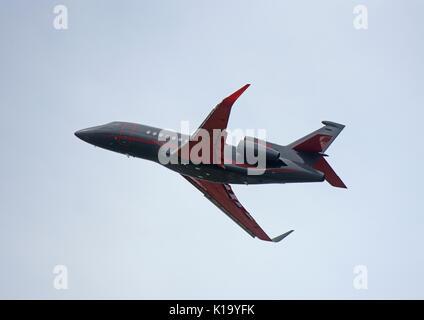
[[319, 140]]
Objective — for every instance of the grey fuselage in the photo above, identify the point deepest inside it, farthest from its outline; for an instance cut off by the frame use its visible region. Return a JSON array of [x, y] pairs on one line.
[[142, 141]]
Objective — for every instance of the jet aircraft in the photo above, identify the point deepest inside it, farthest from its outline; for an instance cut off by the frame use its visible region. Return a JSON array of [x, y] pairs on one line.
[[300, 161]]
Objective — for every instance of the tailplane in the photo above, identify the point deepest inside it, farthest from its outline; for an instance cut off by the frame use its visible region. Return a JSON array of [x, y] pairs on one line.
[[312, 146], [329, 174]]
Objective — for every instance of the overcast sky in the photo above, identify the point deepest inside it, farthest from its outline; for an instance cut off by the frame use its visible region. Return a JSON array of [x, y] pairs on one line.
[[129, 228]]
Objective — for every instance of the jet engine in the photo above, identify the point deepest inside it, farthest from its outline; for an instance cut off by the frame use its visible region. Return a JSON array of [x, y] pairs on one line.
[[251, 144]]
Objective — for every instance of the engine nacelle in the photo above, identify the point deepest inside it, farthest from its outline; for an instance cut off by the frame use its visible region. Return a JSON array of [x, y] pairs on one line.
[[250, 144]]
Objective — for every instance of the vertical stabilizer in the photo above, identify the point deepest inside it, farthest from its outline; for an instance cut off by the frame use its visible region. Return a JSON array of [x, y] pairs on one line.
[[319, 140]]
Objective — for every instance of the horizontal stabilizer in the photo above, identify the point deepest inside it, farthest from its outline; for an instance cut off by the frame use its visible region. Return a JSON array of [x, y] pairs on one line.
[[279, 238], [329, 174]]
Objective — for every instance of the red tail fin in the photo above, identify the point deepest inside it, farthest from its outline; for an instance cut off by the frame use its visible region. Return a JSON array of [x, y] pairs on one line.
[[331, 177], [319, 140]]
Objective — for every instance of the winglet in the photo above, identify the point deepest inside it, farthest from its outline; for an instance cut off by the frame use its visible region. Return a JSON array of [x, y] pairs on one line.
[[232, 98], [279, 238]]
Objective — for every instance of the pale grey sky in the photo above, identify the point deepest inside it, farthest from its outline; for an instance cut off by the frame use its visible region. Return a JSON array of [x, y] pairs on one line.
[[128, 228]]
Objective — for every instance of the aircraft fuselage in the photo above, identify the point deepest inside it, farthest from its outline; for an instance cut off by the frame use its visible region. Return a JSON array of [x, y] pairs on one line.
[[144, 142]]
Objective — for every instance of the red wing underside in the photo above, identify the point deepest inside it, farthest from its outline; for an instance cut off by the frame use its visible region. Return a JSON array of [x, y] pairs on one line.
[[216, 120], [223, 197]]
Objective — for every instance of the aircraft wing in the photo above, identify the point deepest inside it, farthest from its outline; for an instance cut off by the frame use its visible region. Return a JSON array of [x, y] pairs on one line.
[[224, 198], [217, 119]]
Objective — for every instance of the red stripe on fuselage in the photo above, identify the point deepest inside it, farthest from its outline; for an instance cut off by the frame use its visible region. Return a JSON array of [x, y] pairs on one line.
[[160, 143]]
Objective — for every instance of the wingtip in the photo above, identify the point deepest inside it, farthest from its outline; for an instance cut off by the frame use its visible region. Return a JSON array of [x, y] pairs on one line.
[[333, 124], [281, 237], [232, 98]]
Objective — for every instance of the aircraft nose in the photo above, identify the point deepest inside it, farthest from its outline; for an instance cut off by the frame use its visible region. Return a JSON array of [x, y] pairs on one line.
[[84, 134]]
